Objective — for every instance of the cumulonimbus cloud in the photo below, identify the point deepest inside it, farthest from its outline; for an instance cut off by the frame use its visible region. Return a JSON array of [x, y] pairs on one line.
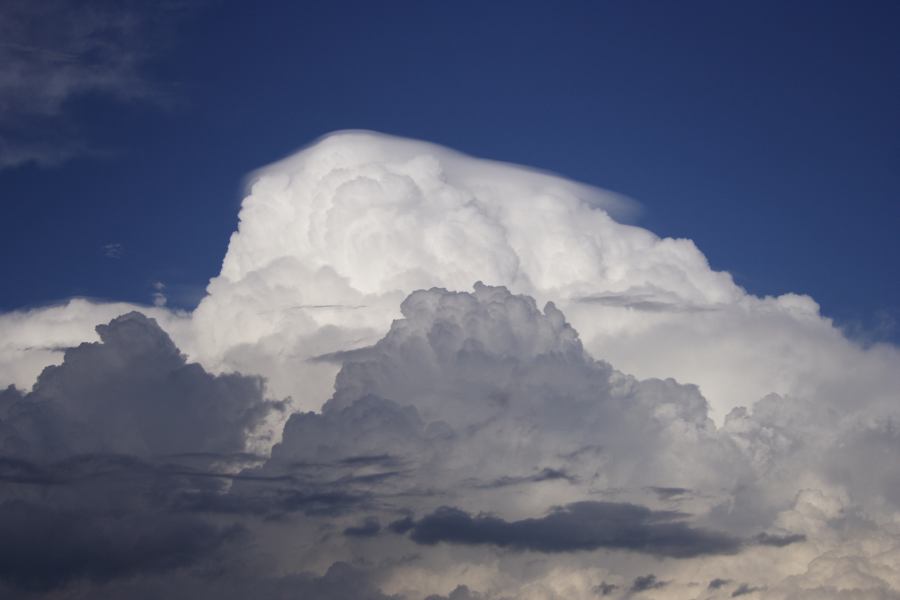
[[332, 239], [348, 287]]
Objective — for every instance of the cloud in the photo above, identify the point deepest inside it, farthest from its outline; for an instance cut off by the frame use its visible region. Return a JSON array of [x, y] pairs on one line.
[[605, 589], [579, 526], [113, 250], [669, 493], [333, 238], [779, 541], [59, 50], [94, 459], [46, 547], [613, 373], [546, 474], [339, 581], [368, 528], [717, 583], [159, 296], [463, 373], [361, 220], [743, 590], [467, 398], [133, 393], [35, 338], [484, 392], [646, 582], [461, 592]]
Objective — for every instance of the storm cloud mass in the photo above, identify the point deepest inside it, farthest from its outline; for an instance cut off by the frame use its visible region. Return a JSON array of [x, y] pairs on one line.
[[422, 375]]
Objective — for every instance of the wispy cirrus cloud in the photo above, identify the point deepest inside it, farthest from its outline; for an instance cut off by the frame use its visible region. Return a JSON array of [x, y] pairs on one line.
[[56, 51]]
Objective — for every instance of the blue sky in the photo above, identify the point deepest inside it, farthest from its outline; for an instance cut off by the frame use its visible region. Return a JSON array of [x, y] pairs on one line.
[[767, 132]]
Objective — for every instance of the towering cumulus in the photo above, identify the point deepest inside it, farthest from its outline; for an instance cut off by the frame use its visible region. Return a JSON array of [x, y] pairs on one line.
[[333, 238]]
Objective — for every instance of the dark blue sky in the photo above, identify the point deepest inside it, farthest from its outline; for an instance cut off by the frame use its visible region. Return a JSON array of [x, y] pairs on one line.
[[767, 132]]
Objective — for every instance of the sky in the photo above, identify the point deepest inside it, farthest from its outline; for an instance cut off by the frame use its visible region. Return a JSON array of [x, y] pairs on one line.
[[765, 132], [433, 301]]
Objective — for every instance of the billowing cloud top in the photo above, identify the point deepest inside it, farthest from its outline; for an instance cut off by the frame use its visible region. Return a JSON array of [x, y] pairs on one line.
[[337, 235], [445, 440]]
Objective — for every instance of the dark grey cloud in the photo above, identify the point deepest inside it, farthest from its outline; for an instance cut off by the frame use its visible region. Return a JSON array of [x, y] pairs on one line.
[[545, 474], [92, 469], [717, 583], [605, 589], [744, 589], [402, 525], [581, 526], [98, 460], [45, 547], [669, 493], [132, 393], [646, 582], [236, 581], [779, 540], [370, 527], [460, 592], [273, 499]]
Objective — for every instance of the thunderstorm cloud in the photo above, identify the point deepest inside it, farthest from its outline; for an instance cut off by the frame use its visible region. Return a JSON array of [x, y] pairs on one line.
[[421, 375]]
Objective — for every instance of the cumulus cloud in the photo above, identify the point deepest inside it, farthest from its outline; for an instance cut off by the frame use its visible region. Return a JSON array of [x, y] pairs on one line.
[[462, 375], [615, 418], [334, 237], [470, 395], [93, 458], [133, 393], [35, 338]]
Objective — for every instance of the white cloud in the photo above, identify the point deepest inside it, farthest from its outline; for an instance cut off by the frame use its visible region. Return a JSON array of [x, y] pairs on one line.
[[113, 250], [332, 239], [484, 403], [159, 295], [338, 234], [471, 399], [34, 338]]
